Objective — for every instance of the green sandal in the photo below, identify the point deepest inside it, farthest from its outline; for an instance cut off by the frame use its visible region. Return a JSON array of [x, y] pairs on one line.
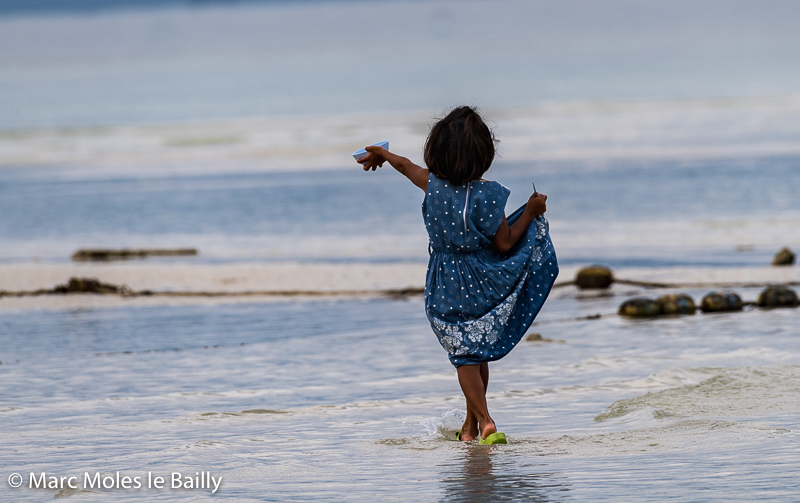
[[494, 438]]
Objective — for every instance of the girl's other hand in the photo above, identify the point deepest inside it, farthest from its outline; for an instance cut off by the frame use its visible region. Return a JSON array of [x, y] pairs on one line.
[[537, 204], [374, 159]]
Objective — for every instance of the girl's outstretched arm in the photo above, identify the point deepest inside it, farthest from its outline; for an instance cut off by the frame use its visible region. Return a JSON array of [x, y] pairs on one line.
[[378, 155], [508, 235]]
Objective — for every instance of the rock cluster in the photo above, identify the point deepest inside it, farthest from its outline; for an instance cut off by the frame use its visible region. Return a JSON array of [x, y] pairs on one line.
[[88, 285], [596, 276], [126, 253], [713, 302], [643, 307]]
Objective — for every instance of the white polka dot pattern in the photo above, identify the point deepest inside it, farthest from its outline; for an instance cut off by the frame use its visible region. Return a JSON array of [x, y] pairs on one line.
[[480, 303]]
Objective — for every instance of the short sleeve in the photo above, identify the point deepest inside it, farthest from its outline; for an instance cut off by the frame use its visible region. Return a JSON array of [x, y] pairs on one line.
[[488, 204]]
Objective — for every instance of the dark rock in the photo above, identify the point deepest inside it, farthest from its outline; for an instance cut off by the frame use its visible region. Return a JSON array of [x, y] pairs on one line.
[[596, 276], [88, 285], [403, 293], [678, 303], [534, 337], [783, 257], [639, 307], [716, 302], [778, 296], [126, 254]]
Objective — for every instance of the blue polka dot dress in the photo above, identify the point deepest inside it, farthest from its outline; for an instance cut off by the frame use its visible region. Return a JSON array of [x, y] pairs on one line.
[[479, 303]]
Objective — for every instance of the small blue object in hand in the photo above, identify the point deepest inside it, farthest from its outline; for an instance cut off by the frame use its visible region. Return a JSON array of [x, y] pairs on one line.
[[360, 154]]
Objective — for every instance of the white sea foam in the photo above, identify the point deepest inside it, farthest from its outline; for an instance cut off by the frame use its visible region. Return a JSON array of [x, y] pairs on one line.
[[725, 392], [298, 405], [677, 434], [443, 426], [583, 131]]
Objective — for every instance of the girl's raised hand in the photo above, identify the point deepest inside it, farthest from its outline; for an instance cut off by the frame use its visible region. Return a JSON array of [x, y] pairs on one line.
[[374, 159], [537, 204]]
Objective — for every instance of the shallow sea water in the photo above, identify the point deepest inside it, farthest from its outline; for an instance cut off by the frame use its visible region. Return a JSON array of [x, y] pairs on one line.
[[658, 213], [353, 400]]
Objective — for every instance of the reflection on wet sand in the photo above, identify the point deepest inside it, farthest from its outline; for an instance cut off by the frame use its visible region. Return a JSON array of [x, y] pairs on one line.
[[486, 474]]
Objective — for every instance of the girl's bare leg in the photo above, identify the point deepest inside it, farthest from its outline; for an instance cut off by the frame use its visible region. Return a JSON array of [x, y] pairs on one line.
[[469, 431], [474, 381]]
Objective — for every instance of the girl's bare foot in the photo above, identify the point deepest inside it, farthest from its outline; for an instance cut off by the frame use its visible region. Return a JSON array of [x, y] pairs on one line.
[[488, 429], [469, 431]]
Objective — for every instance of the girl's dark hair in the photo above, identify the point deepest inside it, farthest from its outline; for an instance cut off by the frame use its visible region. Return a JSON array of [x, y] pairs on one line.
[[460, 147]]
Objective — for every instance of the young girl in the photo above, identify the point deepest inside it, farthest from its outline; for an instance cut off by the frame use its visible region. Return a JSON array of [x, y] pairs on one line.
[[488, 275]]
